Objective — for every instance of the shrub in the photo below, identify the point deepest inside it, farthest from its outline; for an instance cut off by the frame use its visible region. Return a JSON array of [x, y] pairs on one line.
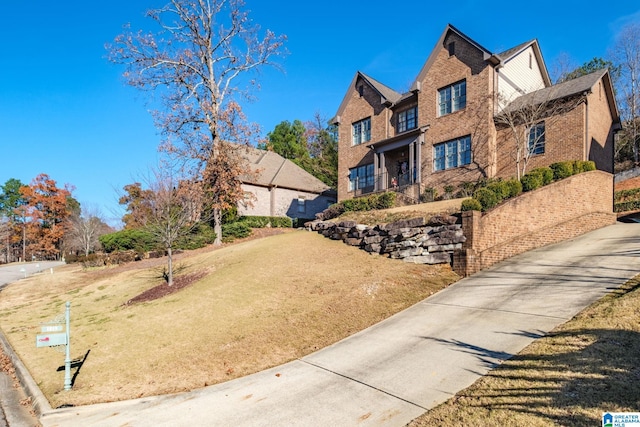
[[500, 189], [429, 195], [471, 205], [386, 200], [466, 189], [199, 237], [133, 239], [531, 181], [486, 198], [561, 170], [580, 166], [514, 186], [546, 174], [235, 230]]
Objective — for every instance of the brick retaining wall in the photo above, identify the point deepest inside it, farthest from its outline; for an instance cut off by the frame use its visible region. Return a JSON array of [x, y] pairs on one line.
[[556, 212]]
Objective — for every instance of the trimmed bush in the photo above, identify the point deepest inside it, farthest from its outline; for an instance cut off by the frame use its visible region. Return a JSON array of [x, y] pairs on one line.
[[471, 205], [546, 173], [561, 170], [486, 198], [136, 239], [580, 166], [500, 189], [514, 186], [235, 230], [531, 181]]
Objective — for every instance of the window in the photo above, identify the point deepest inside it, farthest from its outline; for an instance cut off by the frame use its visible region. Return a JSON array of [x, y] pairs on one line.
[[452, 154], [451, 47], [407, 119], [361, 131], [301, 205], [361, 177], [452, 98], [536, 139]]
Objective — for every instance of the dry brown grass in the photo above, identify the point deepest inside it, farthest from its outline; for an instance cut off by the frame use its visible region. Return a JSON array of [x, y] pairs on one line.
[[384, 216], [583, 368], [263, 302]]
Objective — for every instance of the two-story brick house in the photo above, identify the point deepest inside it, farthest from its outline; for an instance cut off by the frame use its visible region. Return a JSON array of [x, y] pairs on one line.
[[444, 130]]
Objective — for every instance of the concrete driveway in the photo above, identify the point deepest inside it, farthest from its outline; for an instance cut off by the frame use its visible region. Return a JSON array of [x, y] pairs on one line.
[[396, 370]]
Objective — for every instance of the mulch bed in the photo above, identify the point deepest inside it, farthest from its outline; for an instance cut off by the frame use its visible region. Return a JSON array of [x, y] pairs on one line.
[[162, 290]]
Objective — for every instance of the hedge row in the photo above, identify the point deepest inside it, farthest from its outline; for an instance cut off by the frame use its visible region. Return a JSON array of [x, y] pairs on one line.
[[494, 192], [627, 195], [627, 200], [266, 221], [367, 203]]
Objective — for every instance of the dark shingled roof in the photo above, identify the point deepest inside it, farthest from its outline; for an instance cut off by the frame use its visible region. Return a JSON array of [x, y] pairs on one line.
[[562, 90], [273, 170], [503, 56], [383, 89]]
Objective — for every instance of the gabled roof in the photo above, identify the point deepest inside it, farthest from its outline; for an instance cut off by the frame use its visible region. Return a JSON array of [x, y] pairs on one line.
[[567, 89], [387, 95], [273, 170], [436, 50], [502, 58]]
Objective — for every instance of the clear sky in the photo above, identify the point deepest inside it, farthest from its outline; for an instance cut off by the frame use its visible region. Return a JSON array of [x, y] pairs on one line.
[[65, 111]]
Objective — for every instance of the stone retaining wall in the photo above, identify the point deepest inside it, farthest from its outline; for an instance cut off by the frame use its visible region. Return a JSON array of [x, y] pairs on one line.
[[415, 240]]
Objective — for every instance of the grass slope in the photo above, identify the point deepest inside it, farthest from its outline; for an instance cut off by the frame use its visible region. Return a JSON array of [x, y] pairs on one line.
[[262, 303]]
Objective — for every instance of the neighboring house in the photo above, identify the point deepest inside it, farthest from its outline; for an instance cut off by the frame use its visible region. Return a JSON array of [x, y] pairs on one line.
[[446, 130], [281, 188]]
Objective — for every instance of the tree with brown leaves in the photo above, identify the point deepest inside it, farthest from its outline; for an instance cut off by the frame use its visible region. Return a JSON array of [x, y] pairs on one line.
[[200, 63], [46, 212]]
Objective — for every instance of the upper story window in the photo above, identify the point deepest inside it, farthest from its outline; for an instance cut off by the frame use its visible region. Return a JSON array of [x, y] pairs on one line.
[[407, 119], [536, 139], [361, 131], [452, 98], [452, 154]]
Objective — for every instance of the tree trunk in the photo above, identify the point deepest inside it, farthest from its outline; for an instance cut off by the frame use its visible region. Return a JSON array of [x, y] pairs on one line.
[[170, 267], [217, 226]]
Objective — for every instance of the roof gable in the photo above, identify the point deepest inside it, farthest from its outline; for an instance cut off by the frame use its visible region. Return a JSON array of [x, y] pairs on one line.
[[387, 95], [500, 59], [436, 50]]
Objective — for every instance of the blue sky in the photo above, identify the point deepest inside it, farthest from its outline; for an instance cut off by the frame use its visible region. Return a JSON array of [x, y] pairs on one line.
[[65, 111]]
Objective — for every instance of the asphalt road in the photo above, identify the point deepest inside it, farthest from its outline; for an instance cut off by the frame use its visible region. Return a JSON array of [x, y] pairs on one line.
[[12, 413], [16, 271]]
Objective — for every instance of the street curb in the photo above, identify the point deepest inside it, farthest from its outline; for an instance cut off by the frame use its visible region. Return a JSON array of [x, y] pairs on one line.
[[39, 403]]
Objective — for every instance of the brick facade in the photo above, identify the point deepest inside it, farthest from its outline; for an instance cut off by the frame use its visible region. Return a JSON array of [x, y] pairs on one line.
[[585, 132], [556, 212]]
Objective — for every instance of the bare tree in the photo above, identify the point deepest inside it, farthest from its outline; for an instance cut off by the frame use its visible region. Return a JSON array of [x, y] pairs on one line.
[[175, 210], [200, 62], [527, 117], [626, 55], [86, 226]]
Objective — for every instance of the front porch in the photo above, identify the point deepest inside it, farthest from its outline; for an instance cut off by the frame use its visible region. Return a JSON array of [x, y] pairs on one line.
[[396, 166]]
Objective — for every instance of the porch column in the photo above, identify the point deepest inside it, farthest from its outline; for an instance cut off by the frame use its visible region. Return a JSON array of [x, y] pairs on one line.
[[376, 165], [381, 174], [412, 161]]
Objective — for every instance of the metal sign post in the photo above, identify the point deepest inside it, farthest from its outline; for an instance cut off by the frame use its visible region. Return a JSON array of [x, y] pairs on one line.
[[56, 333]]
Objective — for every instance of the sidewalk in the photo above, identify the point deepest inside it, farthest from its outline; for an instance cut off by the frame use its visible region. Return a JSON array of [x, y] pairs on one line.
[[394, 371]]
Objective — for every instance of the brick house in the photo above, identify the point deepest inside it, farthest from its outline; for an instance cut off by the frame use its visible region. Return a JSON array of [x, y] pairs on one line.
[[446, 130], [279, 187]]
